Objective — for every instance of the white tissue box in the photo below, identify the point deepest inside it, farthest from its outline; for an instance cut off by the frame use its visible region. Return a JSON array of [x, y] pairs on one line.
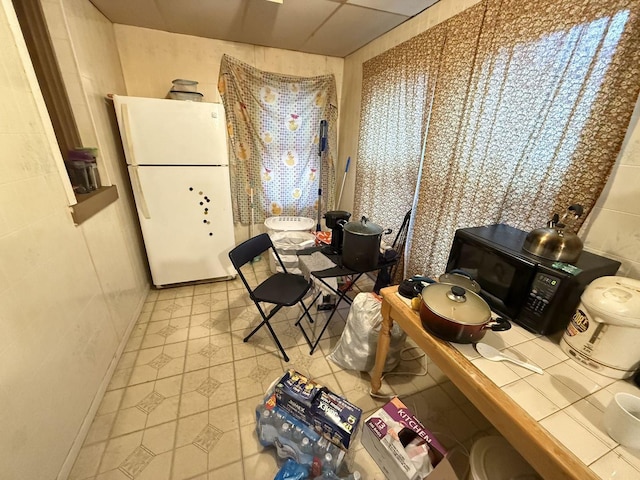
[[387, 432]]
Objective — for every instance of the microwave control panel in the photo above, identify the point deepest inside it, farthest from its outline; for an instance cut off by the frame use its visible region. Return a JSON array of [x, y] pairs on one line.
[[543, 289]]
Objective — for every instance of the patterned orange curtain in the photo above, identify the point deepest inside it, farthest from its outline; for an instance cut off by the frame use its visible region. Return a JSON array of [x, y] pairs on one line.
[[273, 123], [395, 114], [529, 116], [395, 86], [530, 108]]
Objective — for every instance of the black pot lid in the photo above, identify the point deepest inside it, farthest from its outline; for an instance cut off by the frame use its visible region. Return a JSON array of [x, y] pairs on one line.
[[456, 304], [363, 227], [460, 280]]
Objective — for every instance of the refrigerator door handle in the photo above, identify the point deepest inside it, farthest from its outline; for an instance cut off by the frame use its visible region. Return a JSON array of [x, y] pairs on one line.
[[127, 135], [138, 193]]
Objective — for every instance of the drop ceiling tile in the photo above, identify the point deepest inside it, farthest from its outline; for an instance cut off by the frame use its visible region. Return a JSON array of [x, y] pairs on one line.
[[350, 28], [325, 27], [405, 7], [284, 26], [204, 18], [141, 13]]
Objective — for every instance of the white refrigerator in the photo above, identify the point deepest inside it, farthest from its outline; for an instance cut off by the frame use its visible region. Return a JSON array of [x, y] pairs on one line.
[[178, 164]]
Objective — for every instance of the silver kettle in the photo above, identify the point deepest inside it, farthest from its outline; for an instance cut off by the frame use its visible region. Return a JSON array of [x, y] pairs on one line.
[[554, 242]]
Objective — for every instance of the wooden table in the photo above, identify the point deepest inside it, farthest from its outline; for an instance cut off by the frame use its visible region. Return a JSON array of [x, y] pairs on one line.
[[549, 457]]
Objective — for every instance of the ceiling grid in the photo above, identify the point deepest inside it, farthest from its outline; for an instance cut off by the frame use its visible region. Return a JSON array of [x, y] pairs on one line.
[[326, 27]]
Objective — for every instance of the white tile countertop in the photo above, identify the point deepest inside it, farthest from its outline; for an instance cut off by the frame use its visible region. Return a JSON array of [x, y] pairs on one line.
[[554, 420], [568, 400]]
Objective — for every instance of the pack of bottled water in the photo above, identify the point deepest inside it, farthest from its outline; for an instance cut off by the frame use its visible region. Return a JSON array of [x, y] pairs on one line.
[[294, 439], [297, 444]]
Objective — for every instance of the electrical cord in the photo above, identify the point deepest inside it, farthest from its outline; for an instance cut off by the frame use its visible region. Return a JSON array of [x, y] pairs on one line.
[[413, 374]]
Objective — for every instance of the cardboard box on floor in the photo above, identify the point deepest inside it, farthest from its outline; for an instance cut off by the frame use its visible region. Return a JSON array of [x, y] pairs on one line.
[[380, 439]]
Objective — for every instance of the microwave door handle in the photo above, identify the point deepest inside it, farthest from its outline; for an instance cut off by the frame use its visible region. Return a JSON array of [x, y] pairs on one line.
[[138, 193]]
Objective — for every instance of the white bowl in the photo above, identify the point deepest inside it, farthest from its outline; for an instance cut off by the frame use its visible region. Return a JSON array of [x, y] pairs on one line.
[[622, 419]]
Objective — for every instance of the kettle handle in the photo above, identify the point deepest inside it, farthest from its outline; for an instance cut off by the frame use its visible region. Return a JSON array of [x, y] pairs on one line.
[[577, 210]]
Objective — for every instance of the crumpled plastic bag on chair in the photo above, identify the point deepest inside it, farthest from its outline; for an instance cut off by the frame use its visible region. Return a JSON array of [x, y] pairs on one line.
[[356, 349]]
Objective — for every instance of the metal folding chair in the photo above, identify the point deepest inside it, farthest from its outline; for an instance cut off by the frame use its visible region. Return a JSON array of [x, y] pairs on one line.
[[282, 289], [387, 276]]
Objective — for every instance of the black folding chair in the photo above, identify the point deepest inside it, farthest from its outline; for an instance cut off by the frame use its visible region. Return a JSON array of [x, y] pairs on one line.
[[386, 276], [281, 289]]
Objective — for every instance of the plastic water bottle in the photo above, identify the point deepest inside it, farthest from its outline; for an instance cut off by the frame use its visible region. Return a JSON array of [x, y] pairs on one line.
[[333, 449], [279, 420], [266, 418], [327, 463], [305, 446], [296, 435], [260, 411], [354, 476], [320, 447], [327, 468], [265, 429], [285, 430]]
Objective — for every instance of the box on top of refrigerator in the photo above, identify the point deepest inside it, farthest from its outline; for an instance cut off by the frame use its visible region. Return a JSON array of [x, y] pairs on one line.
[[402, 447]]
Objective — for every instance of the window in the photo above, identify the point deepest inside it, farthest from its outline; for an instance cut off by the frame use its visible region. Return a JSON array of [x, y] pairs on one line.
[[36, 35]]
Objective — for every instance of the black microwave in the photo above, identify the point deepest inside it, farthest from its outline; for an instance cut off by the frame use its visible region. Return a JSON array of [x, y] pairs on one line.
[[523, 287]]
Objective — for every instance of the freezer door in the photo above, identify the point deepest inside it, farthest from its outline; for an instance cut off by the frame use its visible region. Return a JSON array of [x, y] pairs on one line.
[[171, 132], [186, 220]]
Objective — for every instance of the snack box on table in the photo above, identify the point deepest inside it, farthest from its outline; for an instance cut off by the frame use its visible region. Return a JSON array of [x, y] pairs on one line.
[[329, 414], [383, 435]]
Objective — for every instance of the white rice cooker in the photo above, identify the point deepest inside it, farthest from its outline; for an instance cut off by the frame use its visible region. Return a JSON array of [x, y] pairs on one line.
[[604, 333]]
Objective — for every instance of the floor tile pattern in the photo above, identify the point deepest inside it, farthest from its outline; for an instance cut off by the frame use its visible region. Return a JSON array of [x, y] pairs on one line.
[[181, 402]]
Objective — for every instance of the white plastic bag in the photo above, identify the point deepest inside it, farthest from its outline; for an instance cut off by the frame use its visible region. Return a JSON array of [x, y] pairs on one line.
[[356, 349]]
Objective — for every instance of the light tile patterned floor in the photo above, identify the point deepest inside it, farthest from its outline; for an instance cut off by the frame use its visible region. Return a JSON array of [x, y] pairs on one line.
[[181, 402]]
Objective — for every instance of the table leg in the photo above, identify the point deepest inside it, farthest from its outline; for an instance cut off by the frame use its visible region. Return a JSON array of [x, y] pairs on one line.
[[342, 295], [383, 347]]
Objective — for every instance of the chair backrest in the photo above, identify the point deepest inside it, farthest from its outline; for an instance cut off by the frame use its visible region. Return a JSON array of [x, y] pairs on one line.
[[397, 270], [401, 237], [249, 249]]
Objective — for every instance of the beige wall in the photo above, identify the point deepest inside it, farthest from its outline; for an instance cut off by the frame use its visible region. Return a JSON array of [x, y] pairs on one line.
[[81, 34], [68, 294], [151, 59], [612, 229]]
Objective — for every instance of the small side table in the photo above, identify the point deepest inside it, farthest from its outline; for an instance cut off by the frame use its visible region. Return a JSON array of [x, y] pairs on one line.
[[326, 277]]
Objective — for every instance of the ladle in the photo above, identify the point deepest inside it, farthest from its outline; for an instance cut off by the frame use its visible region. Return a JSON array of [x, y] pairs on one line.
[[491, 353]]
